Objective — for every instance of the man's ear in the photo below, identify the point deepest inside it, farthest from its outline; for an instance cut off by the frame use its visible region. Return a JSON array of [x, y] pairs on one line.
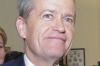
[[21, 26]]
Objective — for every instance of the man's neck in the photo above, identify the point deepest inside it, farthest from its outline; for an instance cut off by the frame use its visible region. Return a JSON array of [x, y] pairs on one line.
[[29, 63]]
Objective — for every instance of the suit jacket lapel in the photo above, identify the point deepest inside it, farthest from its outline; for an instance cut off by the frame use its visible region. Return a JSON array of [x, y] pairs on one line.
[[19, 61]]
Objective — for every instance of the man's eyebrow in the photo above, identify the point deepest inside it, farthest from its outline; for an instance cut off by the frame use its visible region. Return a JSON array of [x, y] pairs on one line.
[[47, 10], [70, 15], [54, 11]]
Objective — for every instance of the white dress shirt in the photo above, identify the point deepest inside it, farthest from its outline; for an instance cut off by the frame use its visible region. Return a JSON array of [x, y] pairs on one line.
[[28, 62]]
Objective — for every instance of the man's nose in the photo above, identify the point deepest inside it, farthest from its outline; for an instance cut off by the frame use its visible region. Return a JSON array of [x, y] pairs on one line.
[[59, 26]]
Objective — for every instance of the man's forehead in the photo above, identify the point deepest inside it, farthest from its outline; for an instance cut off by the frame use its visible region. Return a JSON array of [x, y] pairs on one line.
[[53, 1]]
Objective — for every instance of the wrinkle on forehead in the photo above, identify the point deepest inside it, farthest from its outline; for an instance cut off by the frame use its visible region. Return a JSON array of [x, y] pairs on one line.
[[58, 5]]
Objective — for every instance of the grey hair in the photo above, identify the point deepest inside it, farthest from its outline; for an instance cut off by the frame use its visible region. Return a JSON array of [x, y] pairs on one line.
[[25, 7]]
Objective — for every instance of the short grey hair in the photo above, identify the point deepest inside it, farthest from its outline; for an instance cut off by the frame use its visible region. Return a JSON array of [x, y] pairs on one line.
[[25, 7]]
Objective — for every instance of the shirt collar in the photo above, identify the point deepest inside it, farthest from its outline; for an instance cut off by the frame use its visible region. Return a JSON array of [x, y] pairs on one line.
[[27, 61]]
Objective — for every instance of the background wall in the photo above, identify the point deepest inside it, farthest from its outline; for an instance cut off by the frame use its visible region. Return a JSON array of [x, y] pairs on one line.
[[87, 28], [8, 15], [99, 22]]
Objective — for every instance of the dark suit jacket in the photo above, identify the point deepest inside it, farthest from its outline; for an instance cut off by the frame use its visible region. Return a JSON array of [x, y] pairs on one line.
[[18, 62]]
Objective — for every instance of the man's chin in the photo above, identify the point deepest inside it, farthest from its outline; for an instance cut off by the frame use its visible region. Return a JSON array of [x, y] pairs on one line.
[[56, 54]]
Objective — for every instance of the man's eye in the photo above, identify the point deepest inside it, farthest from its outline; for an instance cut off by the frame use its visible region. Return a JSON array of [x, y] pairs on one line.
[[69, 20], [48, 16]]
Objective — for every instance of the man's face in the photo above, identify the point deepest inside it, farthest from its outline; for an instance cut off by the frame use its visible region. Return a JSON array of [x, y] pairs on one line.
[[50, 26]]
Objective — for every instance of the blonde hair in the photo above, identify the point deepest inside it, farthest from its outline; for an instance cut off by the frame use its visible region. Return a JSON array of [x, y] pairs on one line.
[[3, 35]]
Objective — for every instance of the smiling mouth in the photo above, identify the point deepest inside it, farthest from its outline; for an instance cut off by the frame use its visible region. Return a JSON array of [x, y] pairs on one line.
[[57, 38]]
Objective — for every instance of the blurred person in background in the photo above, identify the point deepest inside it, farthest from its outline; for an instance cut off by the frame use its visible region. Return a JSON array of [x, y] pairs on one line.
[[3, 41]]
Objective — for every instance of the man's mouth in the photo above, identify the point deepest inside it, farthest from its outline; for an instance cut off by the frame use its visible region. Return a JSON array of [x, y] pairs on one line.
[[57, 38]]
